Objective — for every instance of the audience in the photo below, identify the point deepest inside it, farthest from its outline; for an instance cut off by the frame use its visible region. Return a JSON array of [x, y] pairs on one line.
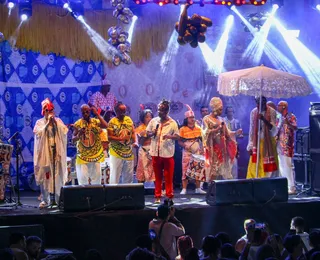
[[264, 252], [224, 238], [314, 241], [228, 252], [210, 248], [93, 254], [297, 224], [17, 243], [192, 254], [294, 247], [34, 245], [249, 226], [6, 254], [184, 244], [166, 228]]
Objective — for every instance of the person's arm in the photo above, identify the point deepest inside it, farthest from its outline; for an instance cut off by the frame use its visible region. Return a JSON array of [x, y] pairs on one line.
[[112, 137], [292, 122], [103, 123], [251, 132]]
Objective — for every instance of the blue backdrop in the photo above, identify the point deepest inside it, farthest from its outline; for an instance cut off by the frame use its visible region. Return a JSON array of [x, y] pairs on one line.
[[27, 78]]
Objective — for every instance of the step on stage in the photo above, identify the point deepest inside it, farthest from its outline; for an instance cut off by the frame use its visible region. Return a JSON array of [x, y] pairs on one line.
[[113, 232]]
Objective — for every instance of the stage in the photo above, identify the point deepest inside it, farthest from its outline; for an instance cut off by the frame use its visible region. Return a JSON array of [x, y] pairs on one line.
[[114, 232]]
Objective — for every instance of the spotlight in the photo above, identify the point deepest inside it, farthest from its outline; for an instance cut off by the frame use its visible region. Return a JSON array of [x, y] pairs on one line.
[[233, 8], [176, 2], [275, 6], [190, 2], [25, 10], [277, 2], [10, 5], [24, 17], [65, 5], [160, 3], [318, 7]]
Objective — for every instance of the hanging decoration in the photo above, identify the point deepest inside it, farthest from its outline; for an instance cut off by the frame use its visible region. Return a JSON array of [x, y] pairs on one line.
[[123, 14], [119, 39], [192, 30]]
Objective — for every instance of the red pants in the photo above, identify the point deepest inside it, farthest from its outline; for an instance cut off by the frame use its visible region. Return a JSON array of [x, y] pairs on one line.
[[163, 167]]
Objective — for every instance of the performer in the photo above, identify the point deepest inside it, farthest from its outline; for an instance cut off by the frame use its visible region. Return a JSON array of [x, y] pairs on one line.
[[204, 111], [220, 148], [144, 168], [285, 144], [122, 139], [50, 131], [164, 131], [233, 124], [191, 142], [268, 153], [90, 154], [104, 100]]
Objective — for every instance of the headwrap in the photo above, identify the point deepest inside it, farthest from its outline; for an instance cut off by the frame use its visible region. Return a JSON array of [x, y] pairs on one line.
[[105, 81], [189, 113], [215, 103], [46, 104], [283, 103]]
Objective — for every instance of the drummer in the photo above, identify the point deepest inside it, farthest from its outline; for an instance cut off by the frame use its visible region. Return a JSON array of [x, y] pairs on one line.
[[191, 142]]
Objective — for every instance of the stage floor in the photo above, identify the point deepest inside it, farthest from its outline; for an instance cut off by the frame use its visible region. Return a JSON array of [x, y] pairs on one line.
[[30, 203], [113, 232]]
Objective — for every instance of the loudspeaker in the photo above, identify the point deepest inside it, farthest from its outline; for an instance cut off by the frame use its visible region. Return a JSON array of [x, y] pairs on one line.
[[124, 196], [27, 230], [230, 192], [247, 191], [270, 189], [82, 197], [314, 120]]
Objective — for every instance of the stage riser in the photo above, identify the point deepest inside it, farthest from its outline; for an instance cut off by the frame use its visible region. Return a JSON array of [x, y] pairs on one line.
[[113, 233]]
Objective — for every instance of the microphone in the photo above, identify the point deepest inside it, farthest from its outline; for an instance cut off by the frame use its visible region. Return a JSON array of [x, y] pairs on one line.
[[14, 136], [155, 133]]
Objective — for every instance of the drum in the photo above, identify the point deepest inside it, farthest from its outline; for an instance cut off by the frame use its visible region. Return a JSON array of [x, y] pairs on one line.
[[5, 157], [196, 168]]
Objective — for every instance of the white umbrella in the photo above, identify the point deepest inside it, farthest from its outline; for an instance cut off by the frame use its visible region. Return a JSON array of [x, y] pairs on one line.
[[262, 81]]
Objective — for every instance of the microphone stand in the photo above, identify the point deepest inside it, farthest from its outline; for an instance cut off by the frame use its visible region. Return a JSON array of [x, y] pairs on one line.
[[53, 202], [18, 154]]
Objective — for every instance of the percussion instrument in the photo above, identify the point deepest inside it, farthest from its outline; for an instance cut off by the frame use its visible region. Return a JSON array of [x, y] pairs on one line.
[[105, 171], [196, 168], [5, 157]]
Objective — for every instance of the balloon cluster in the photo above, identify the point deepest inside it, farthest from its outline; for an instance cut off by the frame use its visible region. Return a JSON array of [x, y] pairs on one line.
[[192, 30], [118, 38], [123, 14]]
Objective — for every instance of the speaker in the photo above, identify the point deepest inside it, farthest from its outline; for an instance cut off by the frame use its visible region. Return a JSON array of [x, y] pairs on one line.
[[230, 192], [82, 197], [124, 196], [314, 120], [27, 230], [270, 189]]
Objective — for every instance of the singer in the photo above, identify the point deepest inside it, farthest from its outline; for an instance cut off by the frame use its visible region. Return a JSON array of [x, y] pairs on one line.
[[164, 131], [219, 145], [48, 131], [268, 158], [285, 144], [87, 135]]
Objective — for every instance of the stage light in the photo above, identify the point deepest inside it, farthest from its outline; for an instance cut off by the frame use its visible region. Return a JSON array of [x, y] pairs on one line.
[[137, 2], [160, 3], [307, 60], [10, 5], [176, 2], [276, 6], [24, 17], [25, 10], [65, 5], [318, 7], [229, 3], [190, 2], [277, 2], [233, 8], [223, 2]]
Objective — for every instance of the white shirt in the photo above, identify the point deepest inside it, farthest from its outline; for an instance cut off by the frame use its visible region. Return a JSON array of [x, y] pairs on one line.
[[159, 146]]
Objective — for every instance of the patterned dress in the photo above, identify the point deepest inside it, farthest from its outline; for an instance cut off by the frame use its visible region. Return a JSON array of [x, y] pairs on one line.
[[192, 138], [220, 148], [144, 168]]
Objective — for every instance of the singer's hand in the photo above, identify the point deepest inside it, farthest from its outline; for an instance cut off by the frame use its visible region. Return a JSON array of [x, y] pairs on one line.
[[94, 111], [239, 133], [167, 136]]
